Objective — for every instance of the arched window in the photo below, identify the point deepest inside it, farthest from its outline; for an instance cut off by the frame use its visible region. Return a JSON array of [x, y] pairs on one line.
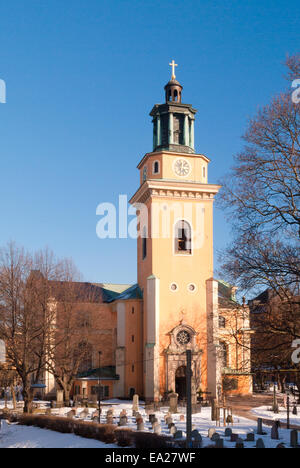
[[175, 95], [183, 238], [222, 322], [144, 242], [223, 355], [156, 167]]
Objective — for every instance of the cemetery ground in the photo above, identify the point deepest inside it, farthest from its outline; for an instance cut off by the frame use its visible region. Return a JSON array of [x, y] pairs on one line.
[[244, 428]]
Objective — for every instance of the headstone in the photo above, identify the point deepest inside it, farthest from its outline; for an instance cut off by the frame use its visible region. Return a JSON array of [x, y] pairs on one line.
[[173, 430], [95, 414], [295, 411], [154, 421], [211, 432], [215, 437], [260, 444], [220, 443], [275, 432], [250, 437], [260, 427], [171, 425], [135, 404], [140, 425], [281, 446], [152, 417], [173, 402], [229, 419], [196, 439], [234, 438], [239, 444], [123, 413], [178, 435], [294, 439], [71, 414], [84, 414], [157, 428], [169, 420], [228, 432], [182, 419], [123, 421]]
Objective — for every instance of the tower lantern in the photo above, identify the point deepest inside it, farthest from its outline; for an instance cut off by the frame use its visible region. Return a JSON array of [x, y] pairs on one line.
[[173, 121]]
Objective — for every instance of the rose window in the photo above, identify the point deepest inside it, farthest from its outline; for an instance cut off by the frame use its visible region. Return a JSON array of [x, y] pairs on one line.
[[183, 337]]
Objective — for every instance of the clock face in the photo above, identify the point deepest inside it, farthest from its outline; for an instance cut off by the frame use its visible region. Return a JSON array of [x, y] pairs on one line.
[[182, 167]]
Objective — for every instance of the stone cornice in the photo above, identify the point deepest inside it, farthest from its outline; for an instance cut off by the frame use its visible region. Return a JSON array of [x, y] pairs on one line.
[[175, 190]]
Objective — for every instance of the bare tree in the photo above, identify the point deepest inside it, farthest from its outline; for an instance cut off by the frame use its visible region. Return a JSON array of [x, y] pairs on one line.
[[69, 347], [262, 198], [26, 318]]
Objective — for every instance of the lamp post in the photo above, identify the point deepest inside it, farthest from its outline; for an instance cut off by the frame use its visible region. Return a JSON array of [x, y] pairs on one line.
[[99, 389]]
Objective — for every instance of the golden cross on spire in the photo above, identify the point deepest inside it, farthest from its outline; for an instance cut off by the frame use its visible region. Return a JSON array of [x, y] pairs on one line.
[[173, 65]]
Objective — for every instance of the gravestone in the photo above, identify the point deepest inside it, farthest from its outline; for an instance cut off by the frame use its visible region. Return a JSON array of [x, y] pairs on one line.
[[294, 439], [123, 421], [95, 414], [169, 421], [275, 432], [211, 432], [178, 435], [154, 421], [260, 427], [173, 402], [260, 444], [135, 405], [123, 413], [84, 414], [157, 428], [281, 446], [220, 443], [71, 414], [173, 430], [239, 444], [215, 437], [140, 425], [152, 417], [182, 418], [196, 439], [234, 437], [250, 437], [295, 411], [228, 432]]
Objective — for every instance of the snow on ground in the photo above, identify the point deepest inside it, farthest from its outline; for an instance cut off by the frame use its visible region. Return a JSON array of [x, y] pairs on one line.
[[265, 413], [14, 436], [33, 437]]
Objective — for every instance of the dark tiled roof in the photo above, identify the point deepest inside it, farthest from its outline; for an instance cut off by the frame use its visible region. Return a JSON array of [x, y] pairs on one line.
[[134, 292], [226, 295], [108, 372]]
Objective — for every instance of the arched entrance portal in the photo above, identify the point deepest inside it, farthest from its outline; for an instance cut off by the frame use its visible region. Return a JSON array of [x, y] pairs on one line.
[[180, 380]]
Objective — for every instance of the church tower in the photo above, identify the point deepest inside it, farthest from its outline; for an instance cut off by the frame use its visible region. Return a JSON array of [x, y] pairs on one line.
[[175, 253]]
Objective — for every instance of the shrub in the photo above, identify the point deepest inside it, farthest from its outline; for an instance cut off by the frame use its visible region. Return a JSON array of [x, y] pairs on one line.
[[144, 440], [124, 437]]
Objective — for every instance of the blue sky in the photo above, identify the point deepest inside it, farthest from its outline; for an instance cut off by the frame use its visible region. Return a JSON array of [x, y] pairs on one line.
[[82, 77]]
